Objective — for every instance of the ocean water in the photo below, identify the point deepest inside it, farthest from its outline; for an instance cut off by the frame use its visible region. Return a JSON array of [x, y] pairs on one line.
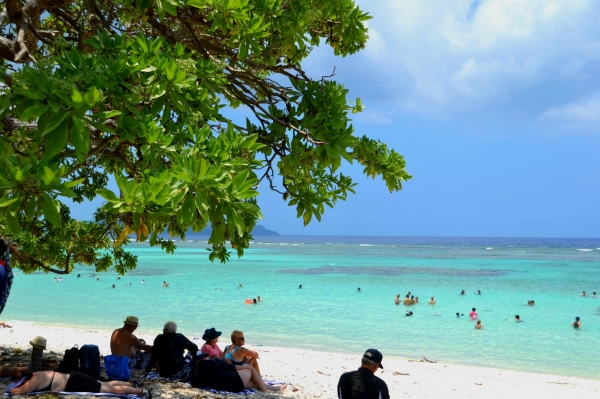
[[329, 313]]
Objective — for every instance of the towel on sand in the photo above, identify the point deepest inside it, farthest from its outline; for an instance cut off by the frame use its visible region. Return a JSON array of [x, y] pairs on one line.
[[18, 382]]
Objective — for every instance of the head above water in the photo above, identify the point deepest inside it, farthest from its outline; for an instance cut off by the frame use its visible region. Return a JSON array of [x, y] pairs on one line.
[[517, 317], [473, 309], [577, 318]]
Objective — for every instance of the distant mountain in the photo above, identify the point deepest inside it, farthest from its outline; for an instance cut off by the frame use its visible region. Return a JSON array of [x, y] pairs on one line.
[[259, 230]]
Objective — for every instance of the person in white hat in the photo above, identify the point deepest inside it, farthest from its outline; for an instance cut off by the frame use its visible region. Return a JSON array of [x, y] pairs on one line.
[[124, 346], [124, 343]]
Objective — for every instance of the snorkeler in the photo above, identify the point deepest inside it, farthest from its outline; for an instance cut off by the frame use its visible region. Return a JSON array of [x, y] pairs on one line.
[[409, 314]]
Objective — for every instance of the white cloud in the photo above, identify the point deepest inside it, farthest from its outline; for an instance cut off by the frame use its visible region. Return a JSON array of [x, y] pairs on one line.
[[584, 111], [485, 56]]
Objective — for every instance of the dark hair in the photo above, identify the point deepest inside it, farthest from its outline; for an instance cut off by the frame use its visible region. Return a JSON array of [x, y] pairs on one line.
[[577, 318], [473, 309]]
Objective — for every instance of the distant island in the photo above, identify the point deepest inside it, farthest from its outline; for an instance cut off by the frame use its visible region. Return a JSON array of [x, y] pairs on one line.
[[259, 230]]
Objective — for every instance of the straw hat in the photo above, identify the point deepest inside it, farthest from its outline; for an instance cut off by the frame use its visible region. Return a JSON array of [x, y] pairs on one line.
[[38, 342], [131, 320]]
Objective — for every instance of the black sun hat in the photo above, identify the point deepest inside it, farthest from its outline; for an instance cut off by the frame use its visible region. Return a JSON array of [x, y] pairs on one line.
[[375, 356], [211, 334]]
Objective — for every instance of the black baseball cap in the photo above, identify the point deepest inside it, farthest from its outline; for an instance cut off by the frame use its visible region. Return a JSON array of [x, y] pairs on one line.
[[375, 356]]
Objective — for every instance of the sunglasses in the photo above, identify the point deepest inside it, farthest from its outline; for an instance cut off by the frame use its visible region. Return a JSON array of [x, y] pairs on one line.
[[242, 338]]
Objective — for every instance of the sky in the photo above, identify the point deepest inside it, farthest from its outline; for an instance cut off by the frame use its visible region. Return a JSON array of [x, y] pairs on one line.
[[495, 105]]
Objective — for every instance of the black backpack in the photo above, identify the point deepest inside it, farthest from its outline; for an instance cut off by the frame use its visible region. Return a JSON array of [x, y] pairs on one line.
[[89, 361], [70, 361]]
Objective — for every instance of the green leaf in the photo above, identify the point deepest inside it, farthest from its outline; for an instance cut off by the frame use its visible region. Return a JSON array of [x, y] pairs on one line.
[[92, 97], [76, 96], [55, 121], [34, 112], [108, 195], [4, 202], [13, 222], [80, 138], [57, 140], [51, 210], [104, 115], [48, 177]]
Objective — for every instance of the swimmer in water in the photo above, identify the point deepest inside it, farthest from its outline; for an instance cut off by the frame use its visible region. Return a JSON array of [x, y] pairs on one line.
[[576, 323], [240, 285], [143, 281], [258, 298], [473, 314], [407, 301], [300, 286], [118, 278], [531, 302], [397, 300], [432, 301], [583, 293], [478, 326], [478, 292], [113, 286], [593, 295], [79, 275], [459, 314], [518, 319], [254, 300], [462, 292], [417, 299], [60, 279], [358, 289], [409, 314], [97, 278]]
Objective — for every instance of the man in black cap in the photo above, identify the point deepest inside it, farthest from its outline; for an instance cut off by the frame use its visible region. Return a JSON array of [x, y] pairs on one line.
[[362, 383]]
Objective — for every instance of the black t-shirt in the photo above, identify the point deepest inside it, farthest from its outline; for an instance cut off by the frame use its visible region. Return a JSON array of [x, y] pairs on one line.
[[362, 384], [168, 351]]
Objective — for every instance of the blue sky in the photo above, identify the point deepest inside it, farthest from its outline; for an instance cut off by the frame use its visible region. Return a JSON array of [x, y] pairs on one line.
[[495, 105]]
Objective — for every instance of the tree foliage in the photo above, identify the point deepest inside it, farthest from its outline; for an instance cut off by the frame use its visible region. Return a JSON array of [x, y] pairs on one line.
[[135, 89]]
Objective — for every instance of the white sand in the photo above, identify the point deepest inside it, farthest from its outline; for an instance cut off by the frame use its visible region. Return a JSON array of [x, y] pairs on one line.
[[315, 374]]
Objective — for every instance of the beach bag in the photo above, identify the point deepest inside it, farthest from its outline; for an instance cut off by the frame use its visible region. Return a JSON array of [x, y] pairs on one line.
[[117, 367], [89, 361], [70, 361]]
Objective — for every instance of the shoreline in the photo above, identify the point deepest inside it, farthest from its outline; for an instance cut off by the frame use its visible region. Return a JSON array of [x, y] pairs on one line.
[[314, 374]]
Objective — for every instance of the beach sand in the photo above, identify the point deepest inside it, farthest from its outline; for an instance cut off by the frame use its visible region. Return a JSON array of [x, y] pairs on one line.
[[314, 374]]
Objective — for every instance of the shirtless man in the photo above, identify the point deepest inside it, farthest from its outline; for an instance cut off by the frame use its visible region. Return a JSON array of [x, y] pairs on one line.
[[397, 300], [124, 343], [432, 301], [407, 301]]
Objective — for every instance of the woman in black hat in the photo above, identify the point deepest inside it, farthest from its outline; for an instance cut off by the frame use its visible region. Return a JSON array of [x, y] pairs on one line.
[[211, 336]]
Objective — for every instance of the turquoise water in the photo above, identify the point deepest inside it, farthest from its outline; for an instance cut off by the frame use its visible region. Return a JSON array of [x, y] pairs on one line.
[[329, 313]]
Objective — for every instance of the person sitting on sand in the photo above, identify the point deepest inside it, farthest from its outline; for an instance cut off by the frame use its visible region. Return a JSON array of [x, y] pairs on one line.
[[53, 381], [237, 355], [576, 323], [123, 344], [432, 301], [168, 351], [362, 383], [4, 325], [397, 300], [478, 326], [473, 314], [211, 336], [583, 293], [220, 375]]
